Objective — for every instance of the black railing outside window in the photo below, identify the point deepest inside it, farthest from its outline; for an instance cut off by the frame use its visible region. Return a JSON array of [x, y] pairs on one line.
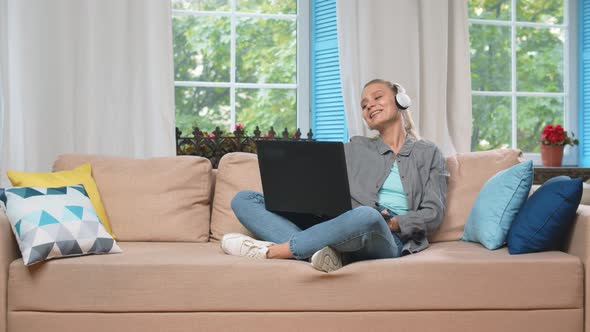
[[216, 144]]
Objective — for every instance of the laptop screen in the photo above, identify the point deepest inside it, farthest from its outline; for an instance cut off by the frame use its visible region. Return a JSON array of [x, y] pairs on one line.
[[304, 177]]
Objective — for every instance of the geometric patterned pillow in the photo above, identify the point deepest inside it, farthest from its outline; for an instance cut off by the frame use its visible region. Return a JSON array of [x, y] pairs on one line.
[[55, 222]]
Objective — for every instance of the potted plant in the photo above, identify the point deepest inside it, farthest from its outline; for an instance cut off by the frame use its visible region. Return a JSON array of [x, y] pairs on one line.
[[553, 140]]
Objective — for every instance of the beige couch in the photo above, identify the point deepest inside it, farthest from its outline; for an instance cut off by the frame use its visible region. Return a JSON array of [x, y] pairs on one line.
[[168, 214]]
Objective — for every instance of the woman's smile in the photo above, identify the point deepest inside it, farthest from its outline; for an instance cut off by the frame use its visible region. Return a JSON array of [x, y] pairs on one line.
[[374, 113]]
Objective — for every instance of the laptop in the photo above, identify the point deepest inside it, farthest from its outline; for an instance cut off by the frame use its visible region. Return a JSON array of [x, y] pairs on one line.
[[305, 181]]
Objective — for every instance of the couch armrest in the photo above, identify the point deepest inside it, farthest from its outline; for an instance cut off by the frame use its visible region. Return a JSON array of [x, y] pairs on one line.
[[579, 245], [8, 253]]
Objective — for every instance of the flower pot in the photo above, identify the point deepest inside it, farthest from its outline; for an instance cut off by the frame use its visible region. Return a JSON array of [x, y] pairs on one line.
[[551, 155]]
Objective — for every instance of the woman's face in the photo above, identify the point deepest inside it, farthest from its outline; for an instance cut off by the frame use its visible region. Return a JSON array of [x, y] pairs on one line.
[[378, 106]]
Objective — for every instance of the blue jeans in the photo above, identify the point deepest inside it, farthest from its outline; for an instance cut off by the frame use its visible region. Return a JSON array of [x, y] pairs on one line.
[[359, 234]]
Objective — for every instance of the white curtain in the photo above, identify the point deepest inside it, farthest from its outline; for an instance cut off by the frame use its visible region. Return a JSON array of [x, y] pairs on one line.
[[421, 44], [3, 68], [85, 76]]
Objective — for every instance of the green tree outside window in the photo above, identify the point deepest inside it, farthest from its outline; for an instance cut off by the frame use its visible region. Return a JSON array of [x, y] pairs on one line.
[[536, 95], [264, 86]]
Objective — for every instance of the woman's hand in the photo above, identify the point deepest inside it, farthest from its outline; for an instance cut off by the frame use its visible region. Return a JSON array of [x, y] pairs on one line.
[[393, 225], [391, 222]]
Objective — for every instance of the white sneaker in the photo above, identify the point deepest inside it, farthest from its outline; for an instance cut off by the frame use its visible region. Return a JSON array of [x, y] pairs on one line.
[[241, 245], [326, 259]]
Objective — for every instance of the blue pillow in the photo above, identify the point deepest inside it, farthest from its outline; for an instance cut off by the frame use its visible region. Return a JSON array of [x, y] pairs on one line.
[[557, 178], [497, 205], [546, 218]]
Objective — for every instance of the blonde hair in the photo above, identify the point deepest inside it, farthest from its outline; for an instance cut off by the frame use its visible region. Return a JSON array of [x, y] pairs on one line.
[[407, 121]]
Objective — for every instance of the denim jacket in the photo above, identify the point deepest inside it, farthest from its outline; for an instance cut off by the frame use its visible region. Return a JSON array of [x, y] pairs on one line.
[[423, 174]]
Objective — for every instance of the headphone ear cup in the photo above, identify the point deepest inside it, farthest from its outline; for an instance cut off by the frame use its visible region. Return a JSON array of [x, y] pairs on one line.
[[403, 101]]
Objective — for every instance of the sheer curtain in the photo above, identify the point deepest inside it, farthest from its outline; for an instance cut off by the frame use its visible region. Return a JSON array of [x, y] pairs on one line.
[[85, 76], [421, 44]]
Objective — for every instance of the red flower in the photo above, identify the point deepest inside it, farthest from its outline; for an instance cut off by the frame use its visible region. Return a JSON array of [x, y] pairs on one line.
[[556, 135], [548, 128], [559, 137]]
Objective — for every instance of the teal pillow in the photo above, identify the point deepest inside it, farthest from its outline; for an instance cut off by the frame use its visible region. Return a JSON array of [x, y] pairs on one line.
[[498, 204]]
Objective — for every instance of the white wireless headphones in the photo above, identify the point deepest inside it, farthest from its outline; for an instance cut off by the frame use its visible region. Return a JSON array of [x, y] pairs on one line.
[[402, 100]]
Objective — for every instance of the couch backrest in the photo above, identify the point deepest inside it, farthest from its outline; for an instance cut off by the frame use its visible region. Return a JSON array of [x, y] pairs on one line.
[[158, 199], [468, 173], [169, 199], [236, 171]]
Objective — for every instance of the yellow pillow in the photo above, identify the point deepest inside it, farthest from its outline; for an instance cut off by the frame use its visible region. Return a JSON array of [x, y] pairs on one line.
[[80, 175]]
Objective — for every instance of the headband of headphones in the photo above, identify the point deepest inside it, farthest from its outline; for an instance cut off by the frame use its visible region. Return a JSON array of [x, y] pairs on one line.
[[402, 100]]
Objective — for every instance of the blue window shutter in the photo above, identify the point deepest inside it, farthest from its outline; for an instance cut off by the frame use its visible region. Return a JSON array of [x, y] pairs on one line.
[[584, 83], [327, 107]]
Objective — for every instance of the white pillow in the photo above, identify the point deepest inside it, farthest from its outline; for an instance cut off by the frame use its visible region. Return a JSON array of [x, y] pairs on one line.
[[55, 222]]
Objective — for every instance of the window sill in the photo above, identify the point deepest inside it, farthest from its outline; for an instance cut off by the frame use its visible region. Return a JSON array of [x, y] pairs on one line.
[[542, 174]]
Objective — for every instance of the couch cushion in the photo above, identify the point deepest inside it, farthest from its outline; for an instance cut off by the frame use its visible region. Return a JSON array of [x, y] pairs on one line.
[[468, 173], [158, 199], [199, 277], [236, 171]]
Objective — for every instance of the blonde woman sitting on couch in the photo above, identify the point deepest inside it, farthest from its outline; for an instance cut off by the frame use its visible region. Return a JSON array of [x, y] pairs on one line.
[[389, 220]]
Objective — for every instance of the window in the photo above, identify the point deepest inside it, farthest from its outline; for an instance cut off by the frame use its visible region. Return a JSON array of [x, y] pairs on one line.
[[520, 72], [241, 61]]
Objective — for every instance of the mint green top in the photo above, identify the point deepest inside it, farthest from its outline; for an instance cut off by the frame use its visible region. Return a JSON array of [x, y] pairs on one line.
[[392, 195]]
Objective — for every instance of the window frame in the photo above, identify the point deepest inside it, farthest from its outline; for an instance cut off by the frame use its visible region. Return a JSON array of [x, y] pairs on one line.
[[302, 83], [569, 93]]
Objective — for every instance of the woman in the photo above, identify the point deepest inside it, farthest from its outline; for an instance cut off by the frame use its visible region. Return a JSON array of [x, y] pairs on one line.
[[398, 184]]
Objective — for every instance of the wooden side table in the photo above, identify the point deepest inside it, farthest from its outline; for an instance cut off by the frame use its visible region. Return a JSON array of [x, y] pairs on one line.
[[542, 174]]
